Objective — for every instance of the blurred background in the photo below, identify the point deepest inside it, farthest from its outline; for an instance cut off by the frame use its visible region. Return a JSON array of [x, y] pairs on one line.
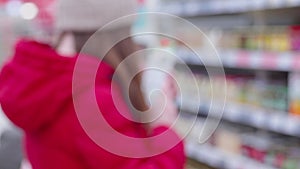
[[258, 42]]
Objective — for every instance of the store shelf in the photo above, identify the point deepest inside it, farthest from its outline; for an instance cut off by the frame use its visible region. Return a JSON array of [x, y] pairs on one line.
[[217, 158], [274, 61], [271, 120], [221, 7]]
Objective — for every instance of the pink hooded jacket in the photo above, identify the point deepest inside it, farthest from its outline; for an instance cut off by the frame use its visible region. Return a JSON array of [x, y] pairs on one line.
[[36, 95]]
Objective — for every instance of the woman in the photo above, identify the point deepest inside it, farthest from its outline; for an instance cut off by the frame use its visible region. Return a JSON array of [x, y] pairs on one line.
[[36, 94]]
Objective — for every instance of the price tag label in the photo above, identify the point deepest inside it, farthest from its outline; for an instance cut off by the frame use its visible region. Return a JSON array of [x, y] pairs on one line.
[[259, 119], [276, 122], [256, 60], [232, 112], [292, 126], [284, 62]]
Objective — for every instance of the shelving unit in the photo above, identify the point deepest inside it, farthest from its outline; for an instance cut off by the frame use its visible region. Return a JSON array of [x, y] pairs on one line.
[[219, 7], [219, 159], [252, 116], [265, 65], [257, 60], [210, 154]]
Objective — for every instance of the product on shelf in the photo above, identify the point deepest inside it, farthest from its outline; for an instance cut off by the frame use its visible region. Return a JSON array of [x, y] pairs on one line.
[[228, 140], [273, 150], [295, 107], [212, 7], [270, 38], [267, 39], [294, 93], [276, 151], [295, 37], [244, 89]]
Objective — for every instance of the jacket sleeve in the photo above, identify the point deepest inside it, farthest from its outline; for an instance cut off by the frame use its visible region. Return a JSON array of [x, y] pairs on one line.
[[32, 103], [174, 158]]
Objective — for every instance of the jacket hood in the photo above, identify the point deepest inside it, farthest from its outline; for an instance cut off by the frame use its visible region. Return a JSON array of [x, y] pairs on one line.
[[36, 84]]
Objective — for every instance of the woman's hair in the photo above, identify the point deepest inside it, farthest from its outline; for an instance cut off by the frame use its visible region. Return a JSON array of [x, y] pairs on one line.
[[114, 57]]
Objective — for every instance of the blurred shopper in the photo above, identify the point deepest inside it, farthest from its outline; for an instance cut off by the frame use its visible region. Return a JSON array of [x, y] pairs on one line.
[[36, 94]]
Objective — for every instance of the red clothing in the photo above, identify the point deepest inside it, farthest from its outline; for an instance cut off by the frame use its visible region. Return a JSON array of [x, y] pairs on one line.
[[36, 94]]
